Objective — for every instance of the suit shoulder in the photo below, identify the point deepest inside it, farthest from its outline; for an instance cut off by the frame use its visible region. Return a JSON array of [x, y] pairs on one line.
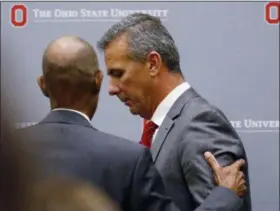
[[96, 143], [121, 148], [85, 134], [199, 110], [204, 126], [201, 105], [26, 130], [119, 142]]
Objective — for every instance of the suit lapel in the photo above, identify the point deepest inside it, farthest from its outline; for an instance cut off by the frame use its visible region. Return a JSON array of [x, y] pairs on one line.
[[168, 122], [159, 139]]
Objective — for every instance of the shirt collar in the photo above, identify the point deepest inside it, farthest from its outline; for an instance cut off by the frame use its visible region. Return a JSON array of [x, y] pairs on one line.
[[165, 105], [72, 110]]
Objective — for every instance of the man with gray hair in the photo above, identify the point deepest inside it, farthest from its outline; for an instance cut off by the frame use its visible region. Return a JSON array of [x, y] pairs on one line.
[[143, 64]]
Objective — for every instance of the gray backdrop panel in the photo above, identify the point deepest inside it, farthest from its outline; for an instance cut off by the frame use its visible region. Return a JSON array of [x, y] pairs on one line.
[[228, 52]]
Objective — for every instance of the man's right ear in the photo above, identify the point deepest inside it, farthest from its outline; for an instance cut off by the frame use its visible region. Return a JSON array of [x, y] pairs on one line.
[[42, 84], [98, 81]]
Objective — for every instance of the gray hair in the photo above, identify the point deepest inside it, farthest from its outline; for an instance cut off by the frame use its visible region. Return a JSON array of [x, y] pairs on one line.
[[146, 33]]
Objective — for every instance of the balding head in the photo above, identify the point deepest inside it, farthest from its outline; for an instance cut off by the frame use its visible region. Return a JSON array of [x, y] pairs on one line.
[[70, 72], [70, 52]]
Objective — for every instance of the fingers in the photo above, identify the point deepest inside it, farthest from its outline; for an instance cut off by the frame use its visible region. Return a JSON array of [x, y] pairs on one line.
[[238, 164], [212, 161], [242, 184], [240, 176], [242, 190]]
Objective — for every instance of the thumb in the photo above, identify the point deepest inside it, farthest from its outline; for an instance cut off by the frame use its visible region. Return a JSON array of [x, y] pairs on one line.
[[212, 161]]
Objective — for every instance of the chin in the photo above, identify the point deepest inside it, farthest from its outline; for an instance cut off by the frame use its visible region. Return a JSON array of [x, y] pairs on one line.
[[133, 111]]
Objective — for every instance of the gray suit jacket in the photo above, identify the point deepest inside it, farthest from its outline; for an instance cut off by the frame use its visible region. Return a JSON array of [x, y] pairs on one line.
[[67, 144], [192, 127]]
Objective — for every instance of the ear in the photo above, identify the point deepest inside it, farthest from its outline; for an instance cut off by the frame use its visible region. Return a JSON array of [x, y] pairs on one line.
[[154, 63], [98, 78], [42, 84]]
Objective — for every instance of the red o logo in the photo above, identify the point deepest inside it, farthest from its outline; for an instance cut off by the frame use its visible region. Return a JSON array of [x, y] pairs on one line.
[[23, 17], [268, 12]]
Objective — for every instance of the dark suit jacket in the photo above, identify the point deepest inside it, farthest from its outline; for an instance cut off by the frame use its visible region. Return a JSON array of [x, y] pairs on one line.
[[69, 145], [192, 127]]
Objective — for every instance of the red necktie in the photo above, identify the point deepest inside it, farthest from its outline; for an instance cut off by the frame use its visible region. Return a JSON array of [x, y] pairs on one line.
[[148, 132]]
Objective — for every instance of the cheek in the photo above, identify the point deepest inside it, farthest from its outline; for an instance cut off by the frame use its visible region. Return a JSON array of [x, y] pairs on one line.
[[134, 84], [134, 91], [143, 93]]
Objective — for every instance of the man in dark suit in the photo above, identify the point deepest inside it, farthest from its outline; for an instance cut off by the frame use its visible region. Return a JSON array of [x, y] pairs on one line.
[[143, 64], [67, 144]]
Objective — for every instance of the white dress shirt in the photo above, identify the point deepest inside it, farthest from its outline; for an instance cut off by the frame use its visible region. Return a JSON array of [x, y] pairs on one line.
[[165, 105], [72, 110]]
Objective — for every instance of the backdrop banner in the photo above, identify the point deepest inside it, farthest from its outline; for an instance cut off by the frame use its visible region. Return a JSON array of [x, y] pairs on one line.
[[229, 53]]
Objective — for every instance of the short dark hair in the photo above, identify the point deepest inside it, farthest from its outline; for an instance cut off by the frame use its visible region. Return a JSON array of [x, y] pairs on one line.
[[146, 33], [74, 77]]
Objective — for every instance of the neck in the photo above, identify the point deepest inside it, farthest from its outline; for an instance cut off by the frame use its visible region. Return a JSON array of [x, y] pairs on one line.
[[166, 84], [88, 107]]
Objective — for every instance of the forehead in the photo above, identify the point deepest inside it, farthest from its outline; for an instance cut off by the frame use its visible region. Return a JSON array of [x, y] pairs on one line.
[[116, 52]]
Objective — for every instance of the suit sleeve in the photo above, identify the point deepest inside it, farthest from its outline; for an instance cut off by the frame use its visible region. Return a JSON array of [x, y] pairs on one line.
[[209, 131], [148, 191]]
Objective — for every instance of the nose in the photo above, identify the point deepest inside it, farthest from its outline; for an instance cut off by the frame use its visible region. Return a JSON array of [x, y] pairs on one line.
[[113, 90]]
